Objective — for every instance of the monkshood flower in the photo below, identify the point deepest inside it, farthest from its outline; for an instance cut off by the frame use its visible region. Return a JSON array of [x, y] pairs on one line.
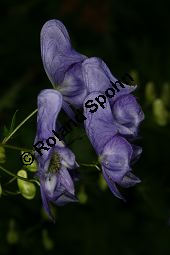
[[105, 129], [57, 163], [70, 72], [62, 63], [127, 113]]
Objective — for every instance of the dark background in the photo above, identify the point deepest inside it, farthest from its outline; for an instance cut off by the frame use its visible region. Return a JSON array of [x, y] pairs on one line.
[[130, 36]]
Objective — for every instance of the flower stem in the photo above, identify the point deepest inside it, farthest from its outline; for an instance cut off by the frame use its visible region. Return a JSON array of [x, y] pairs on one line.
[[8, 192], [18, 127], [91, 165], [17, 176], [14, 147]]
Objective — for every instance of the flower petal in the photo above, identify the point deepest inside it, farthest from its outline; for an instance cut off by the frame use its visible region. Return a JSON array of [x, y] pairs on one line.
[[116, 157], [128, 113], [99, 125], [73, 87], [56, 51], [98, 77], [112, 185], [129, 180], [49, 106]]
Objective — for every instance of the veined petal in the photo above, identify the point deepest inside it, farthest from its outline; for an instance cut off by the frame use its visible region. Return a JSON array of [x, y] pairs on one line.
[[96, 75], [129, 180], [112, 185], [65, 181], [116, 157], [56, 51], [49, 106], [128, 112], [99, 125], [73, 87]]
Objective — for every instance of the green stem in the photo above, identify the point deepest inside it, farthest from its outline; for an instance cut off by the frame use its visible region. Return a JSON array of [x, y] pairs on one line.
[[14, 147], [18, 127], [8, 192], [17, 176], [10, 181], [90, 165]]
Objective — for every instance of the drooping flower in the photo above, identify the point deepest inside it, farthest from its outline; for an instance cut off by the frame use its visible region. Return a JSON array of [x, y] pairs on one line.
[[106, 130], [57, 162]]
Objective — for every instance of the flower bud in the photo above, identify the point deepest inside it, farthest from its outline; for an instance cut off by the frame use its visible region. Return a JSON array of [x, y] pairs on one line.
[[160, 113], [47, 242], [102, 183], [150, 94], [33, 167], [27, 189], [12, 234], [82, 196], [2, 155]]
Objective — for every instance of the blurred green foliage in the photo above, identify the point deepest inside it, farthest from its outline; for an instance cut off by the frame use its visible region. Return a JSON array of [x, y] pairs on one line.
[[130, 36]]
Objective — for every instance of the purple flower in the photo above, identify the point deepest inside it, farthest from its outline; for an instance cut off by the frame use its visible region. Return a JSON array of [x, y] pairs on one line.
[[108, 129], [57, 163], [71, 73], [62, 63], [98, 78]]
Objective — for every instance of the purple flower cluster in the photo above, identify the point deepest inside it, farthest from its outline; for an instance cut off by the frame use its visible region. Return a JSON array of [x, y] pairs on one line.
[[111, 130]]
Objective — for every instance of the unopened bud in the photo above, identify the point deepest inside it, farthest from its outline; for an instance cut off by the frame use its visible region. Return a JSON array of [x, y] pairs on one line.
[[27, 189], [160, 113], [150, 94], [102, 183], [82, 196], [2, 155]]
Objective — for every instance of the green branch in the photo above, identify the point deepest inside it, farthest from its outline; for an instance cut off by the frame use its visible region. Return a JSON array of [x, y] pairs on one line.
[[19, 126]]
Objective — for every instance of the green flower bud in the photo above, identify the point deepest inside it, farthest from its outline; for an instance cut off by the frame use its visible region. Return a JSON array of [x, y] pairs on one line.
[[33, 167], [82, 196], [102, 183], [27, 189], [160, 113], [12, 234], [48, 243], [150, 94], [2, 155], [166, 94], [135, 76]]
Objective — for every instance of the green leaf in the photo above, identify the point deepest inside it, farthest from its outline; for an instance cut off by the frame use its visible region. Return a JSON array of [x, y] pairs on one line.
[[5, 131], [13, 121], [8, 131]]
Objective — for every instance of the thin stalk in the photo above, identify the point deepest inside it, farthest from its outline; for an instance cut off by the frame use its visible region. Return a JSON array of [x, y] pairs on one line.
[[19, 126], [14, 147], [17, 176], [8, 192], [91, 165]]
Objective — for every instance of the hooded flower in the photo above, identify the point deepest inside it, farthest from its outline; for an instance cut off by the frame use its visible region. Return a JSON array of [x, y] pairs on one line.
[[57, 162], [62, 63], [115, 153], [126, 111], [71, 73]]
